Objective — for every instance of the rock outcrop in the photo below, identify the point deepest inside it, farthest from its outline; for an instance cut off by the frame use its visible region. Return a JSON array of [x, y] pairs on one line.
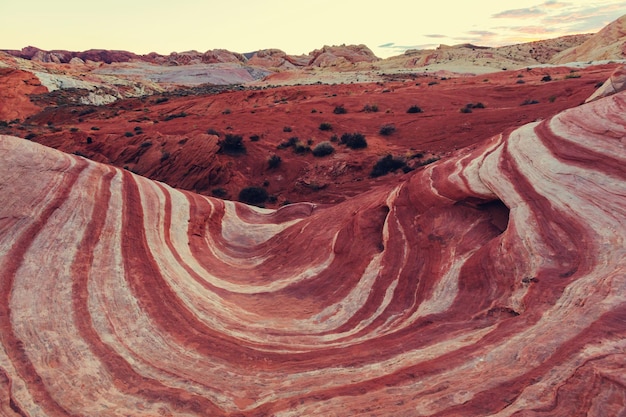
[[341, 55], [491, 283], [615, 84]]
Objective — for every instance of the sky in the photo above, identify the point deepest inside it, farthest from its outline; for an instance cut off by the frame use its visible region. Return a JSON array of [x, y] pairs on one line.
[[387, 27]]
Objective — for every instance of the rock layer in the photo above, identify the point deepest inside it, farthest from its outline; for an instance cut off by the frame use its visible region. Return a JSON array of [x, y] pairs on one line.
[[491, 283]]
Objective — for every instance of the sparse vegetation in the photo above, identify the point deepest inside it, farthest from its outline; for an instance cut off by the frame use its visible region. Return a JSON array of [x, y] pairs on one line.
[[546, 78], [213, 132], [354, 140], [529, 102], [219, 192], [287, 129], [253, 195], [165, 156], [370, 108], [274, 161], [254, 138], [340, 109], [387, 130], [232, 144], [161, 100], [129, 134], [326, 126], [300, 148], [414, 109], [174, 116], [288, 143], [386, 165], [466, 109], [323, 149]]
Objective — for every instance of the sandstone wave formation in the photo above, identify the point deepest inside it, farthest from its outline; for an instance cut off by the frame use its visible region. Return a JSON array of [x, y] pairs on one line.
[[491, 283]]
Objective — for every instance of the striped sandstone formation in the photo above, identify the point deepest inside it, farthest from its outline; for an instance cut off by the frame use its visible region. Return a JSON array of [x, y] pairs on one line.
[[491, 283]]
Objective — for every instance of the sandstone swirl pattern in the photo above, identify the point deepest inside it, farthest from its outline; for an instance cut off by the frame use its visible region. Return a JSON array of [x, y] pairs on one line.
[[492, 283]]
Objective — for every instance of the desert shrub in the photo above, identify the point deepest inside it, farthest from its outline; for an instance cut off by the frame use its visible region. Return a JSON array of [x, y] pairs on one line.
[[323, 149], [552, 99], [137, 129], [529, 102], [478, 105], [253, 195], [572, 75], [370, 108], [175, 116], [4, 123], [288, 143], [340, 110], [466, 109], [433, 83], [274, 161], [129, 134], [72, 129], [146, 144], [30, 136], [326, 126], [334, 138], [232, 144], [520, 82], [254, 138], [226, 111], [546, 78], [287, 129], [387, 130], [386, 165], [219, 192], [213, 132], [599, 84], [165, 156], [89, 140], [161, 100], [300, 148], [429, 161], [354, 140], [414, 109], [95, 128]]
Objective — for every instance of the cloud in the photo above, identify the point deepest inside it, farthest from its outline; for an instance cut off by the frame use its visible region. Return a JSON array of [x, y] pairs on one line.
[[436, 36], [527, 13], [532, 30], [387, 45]]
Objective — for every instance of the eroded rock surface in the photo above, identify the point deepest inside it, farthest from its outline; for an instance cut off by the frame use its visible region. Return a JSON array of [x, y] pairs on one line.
[[491, 283]]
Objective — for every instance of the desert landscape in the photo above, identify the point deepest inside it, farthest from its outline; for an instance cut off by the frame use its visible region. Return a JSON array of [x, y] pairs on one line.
[[438, 233]]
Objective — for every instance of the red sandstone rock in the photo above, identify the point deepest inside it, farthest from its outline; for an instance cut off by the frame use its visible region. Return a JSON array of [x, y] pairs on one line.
[[615, 84], [343, 54], [15, 87], [491, 283]]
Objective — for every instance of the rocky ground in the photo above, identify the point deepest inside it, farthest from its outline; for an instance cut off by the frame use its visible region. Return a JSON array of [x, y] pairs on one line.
[[431, 243]]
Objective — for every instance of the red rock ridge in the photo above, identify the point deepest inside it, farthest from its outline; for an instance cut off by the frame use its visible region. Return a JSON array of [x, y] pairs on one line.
[[491, 283]]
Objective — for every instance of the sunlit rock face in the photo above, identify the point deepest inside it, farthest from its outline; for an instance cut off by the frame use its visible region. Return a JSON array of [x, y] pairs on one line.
[[491, 283]]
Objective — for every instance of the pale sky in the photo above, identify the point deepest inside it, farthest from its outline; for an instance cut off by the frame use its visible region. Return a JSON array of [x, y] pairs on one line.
[[387, 27]]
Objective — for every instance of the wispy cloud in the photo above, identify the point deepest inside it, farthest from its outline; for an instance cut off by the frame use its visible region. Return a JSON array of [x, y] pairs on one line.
[[527, 13], [400, 49], [436, 36], [553, 18]]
